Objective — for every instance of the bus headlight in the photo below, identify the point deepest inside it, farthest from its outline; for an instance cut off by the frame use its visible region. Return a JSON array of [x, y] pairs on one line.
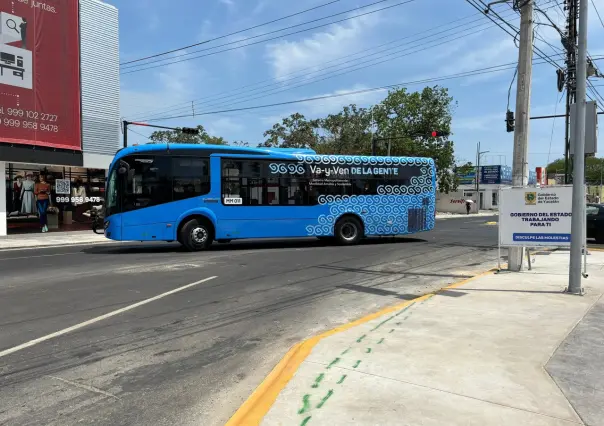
[[106, 224]]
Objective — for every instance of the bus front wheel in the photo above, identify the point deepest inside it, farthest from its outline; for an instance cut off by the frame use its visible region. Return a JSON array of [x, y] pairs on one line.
[[349, 231], [195, 235]]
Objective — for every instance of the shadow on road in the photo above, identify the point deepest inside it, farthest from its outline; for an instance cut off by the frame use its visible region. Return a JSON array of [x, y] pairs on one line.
[[242, 245]]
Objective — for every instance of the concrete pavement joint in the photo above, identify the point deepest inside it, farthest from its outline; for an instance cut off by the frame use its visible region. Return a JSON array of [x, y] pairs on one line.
[[459, 395], [358, 362], [253, 410]]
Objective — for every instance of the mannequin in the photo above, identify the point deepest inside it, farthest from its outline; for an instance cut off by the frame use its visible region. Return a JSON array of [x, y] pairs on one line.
[[79, 193], [16, 195], [42, 191], [28, 203]]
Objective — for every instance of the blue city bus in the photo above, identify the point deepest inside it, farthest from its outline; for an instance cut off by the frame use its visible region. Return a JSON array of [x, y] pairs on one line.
[[198, 194]]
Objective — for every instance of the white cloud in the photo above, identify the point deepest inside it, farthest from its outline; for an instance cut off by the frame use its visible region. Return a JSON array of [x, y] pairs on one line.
[[310, 53], [221, 125], [229, 3], [171, 88]]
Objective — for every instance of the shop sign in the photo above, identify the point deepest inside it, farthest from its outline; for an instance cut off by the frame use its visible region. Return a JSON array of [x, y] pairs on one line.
[[533, 217], [40, 73]]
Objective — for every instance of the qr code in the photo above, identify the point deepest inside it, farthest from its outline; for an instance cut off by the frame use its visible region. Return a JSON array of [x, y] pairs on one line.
[[63, 186]]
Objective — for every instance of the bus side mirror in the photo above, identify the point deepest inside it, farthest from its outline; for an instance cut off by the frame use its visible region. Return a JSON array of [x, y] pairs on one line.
[[123, 168]]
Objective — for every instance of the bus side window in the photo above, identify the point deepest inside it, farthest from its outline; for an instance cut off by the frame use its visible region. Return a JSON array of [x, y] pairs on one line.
[[191, 177], [148, 182]]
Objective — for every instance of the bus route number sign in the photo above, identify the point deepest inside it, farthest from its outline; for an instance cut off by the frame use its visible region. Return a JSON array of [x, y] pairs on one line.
[[230, 201]]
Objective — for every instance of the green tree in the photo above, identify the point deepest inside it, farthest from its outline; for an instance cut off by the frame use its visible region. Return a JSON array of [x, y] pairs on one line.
[[404, 119], [177, 136], [594, 169], [294, 131], [409, 118], [348, 132]]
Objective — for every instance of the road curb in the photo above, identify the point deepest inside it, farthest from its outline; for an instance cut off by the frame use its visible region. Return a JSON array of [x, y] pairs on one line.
[[38, 247], [253, 410]]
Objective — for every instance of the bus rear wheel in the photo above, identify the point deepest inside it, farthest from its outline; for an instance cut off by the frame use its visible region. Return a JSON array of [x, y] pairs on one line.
[[195, 235], [348, 231]]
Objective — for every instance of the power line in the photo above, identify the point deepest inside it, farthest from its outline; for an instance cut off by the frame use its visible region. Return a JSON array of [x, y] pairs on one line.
[[351, 68], [597, 13], [539, 52], [231, 34], [138, 133], [238, 89], [501, 67], [129, 71]]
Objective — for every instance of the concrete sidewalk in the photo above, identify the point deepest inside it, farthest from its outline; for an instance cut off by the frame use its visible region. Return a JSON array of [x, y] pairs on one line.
[[473, 354], [51, 239]]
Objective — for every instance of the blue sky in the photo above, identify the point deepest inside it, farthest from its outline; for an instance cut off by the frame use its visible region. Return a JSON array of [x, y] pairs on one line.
[[149, 26]]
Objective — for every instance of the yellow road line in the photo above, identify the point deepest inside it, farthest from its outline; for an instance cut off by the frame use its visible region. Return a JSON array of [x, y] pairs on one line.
[[262, 399]]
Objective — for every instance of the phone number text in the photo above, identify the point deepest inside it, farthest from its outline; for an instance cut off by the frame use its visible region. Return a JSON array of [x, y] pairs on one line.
[[79, 199], [32, 120]]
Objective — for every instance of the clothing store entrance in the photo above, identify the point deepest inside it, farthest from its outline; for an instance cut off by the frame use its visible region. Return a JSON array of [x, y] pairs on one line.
[[42, 198]]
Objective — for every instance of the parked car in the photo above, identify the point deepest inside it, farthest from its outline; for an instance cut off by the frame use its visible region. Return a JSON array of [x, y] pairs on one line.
[[595, 222]]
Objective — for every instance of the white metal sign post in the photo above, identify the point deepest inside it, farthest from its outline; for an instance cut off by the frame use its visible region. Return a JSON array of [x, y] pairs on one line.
[[535, 217]]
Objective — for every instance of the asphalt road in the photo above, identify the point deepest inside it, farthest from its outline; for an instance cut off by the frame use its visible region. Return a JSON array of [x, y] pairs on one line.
[[193, 356]]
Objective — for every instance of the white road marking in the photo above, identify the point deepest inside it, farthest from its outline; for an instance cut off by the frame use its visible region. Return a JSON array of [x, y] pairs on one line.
[[86, 387], [99, 318]]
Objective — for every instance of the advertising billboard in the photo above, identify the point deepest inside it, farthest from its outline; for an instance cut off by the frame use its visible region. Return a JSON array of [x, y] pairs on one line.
[[534, 217], [40, 73], [490, 175]]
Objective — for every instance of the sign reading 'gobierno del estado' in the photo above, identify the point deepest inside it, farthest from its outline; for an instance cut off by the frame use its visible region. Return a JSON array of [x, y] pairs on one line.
[[535, 216]]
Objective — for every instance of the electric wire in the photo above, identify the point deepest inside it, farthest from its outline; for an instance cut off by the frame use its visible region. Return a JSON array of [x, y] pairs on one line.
[[597, 13], [479, 71], [231, 34], [389, 56], [176, 60], [339, 72], [238, 89]]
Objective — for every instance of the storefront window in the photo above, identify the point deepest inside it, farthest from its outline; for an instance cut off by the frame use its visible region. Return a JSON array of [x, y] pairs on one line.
[[65, 194]]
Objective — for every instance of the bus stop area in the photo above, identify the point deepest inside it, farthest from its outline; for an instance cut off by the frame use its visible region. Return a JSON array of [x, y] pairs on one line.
[[497, 349]]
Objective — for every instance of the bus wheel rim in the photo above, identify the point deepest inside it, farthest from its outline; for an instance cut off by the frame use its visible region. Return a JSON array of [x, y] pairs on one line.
[[199, 235], [349, 231]]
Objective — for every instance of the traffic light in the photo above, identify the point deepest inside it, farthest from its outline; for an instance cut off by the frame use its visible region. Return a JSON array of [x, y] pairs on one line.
[[437, 134], [509, 121], [189, 131]]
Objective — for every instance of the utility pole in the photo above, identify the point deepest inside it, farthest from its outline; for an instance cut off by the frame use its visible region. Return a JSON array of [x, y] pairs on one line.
[[571, 67], [578, 218], [523, 105]]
